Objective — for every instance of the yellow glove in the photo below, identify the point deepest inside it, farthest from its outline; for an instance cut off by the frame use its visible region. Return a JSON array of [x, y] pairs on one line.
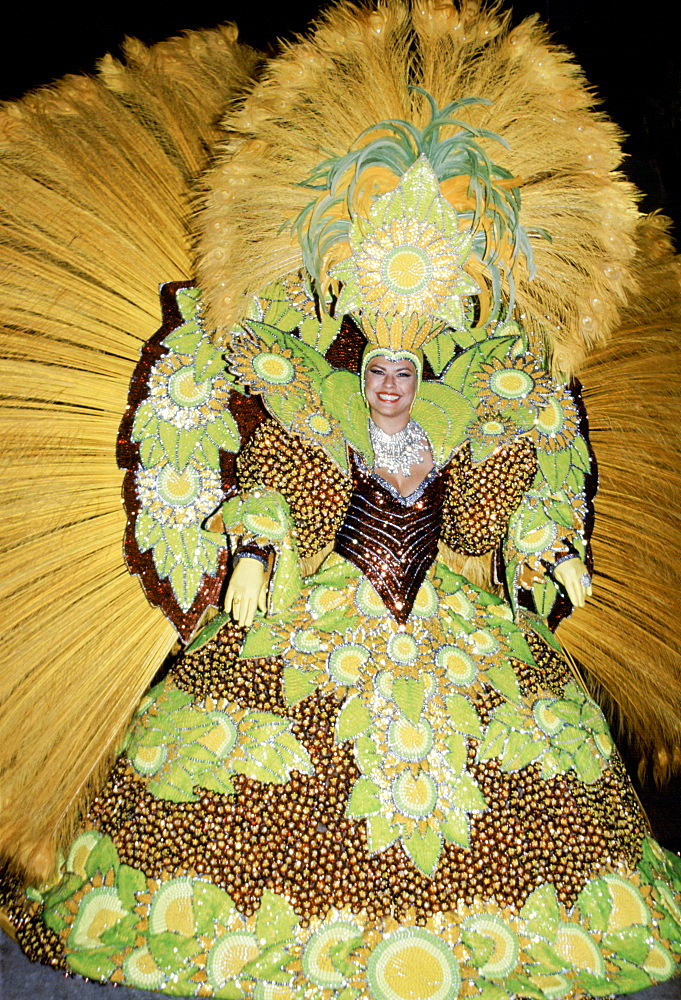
[[574, 577], [247, 591]]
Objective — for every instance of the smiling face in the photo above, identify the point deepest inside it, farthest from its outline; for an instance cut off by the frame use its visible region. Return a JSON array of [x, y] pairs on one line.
[[389, 388]]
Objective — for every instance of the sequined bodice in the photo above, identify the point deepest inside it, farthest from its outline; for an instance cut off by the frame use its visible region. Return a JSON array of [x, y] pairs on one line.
[[390, 538]]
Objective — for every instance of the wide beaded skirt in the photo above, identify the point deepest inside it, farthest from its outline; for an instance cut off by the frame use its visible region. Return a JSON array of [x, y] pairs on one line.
[[336, 807]]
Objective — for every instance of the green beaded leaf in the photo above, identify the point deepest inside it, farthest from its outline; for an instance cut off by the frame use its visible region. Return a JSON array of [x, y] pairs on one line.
[[353, 719], [363, 799], [545, 959], [523, 986], [381, 833], [276, 919], [270, 965], [462, 716], [493, 742], [555, 467], [455, 827], [94, 963], [368, 757], [541, 912], [261, 640], [520, 751], [172, 952], [267, 750], [128, 882], [102, 857], [467, 795], [210, 903], [490, 991], [631, 943], [408, 694], [503, 678], [424, 849], [630, 978], [208, 361], [457, 752], [595, 986], [298, 684]]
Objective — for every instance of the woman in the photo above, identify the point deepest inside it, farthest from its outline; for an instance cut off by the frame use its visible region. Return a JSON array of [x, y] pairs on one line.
[[389, 389]]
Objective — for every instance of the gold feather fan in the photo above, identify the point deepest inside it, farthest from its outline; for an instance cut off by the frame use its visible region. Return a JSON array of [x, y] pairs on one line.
[[96, 175]]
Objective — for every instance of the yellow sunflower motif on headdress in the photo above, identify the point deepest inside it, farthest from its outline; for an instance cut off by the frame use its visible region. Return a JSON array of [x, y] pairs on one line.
[[411, 267], [407, 263]]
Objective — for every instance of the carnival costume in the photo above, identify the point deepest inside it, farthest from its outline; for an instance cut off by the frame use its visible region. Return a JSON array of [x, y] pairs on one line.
[[393, 784]]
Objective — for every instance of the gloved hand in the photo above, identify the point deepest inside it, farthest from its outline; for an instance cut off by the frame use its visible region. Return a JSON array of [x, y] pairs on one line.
[[247, 591], [573, 575]]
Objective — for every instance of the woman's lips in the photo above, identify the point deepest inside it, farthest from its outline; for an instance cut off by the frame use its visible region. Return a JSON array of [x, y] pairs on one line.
[[388, 397]]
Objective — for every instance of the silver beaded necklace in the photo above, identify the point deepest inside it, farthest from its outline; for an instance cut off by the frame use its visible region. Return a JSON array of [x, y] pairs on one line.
[[398, 452]]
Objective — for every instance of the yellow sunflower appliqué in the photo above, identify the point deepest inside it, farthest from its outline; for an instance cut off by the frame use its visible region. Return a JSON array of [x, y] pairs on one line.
[[557, 423], [408, 257], [409, 267], [510, 383], [490, 430], [266, 370], [176, 499], [312, 424], [179, 399]]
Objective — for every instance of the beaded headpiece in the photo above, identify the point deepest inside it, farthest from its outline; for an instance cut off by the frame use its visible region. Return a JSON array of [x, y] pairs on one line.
[[410, 224]]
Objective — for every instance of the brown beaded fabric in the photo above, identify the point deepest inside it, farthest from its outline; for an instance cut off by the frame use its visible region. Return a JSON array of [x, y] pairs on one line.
[[317, 492], [392, 540], [295, 839], [482, 496]]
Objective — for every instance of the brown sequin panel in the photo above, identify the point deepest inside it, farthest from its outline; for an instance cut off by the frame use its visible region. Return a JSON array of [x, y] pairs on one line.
[[481, 497], [295, 839], [392, 544], [317, 492]]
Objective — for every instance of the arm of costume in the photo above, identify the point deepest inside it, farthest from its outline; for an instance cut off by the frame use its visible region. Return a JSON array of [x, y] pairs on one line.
[[548, 530], [292, 502], [481, 496]]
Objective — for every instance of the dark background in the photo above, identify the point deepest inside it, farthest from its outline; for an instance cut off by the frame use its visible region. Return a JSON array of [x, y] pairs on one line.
[[632, 61]]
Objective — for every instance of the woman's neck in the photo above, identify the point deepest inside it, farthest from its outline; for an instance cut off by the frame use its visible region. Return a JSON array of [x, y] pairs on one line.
[[390, 425]]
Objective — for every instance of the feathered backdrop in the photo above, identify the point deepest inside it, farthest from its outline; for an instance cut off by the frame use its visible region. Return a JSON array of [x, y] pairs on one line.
[[96, 175]]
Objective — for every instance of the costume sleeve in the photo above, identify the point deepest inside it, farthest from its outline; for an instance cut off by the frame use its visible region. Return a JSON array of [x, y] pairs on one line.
[[315, 492], [552, 522], [291, 503], [481, 496]]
